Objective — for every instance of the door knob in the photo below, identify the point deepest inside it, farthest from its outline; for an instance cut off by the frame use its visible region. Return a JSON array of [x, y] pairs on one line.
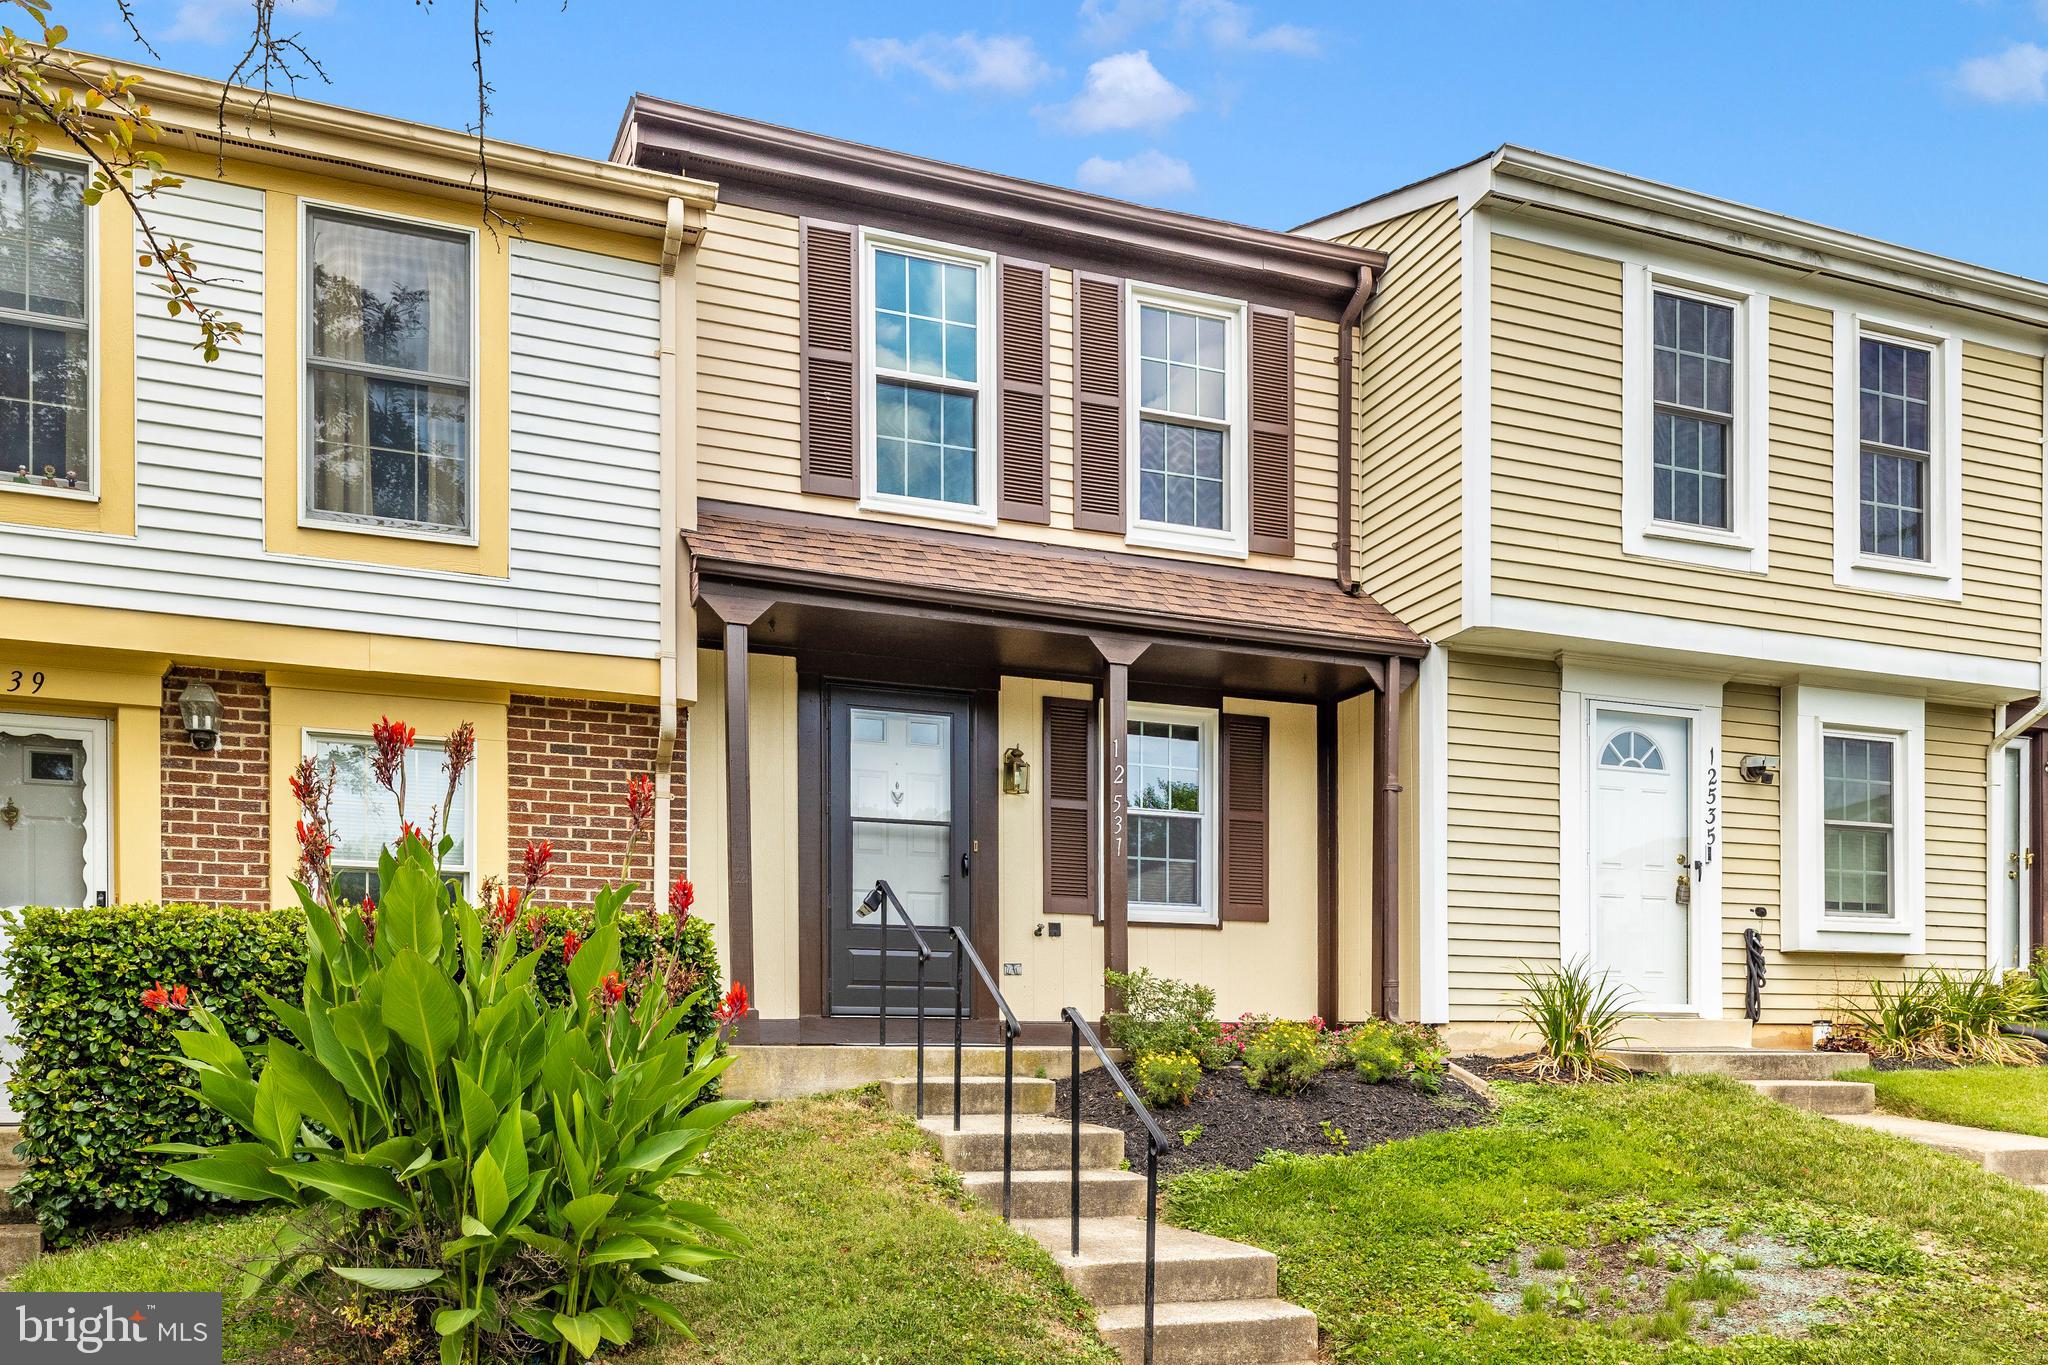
[[964, 864]]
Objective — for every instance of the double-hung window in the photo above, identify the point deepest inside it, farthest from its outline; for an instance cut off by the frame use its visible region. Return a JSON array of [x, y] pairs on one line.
[[366, 816], [1894, 422], [1858, 823], [930, 448], [389, 317], [1694, 368], [1173, 830], [45, 342], [1186, 467]]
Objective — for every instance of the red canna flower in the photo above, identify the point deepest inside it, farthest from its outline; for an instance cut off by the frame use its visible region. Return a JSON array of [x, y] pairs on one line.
[[613, 988], [156, 997], [179, 995], [389, 740], [534, 927], [734, 1007], [506, 908], [571, 941], [639, 806], [459, 751], [681, 897], [539, 853]]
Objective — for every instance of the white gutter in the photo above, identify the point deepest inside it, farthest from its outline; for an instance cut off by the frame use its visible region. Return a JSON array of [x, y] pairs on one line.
[[684, 230]]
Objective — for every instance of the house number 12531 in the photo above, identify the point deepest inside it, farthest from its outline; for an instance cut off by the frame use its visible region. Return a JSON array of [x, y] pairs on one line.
[[20, 680]]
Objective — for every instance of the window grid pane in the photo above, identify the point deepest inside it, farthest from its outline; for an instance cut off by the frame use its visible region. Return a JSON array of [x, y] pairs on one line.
[[926, 326], [1894, 414], [388, 334], [1167, 811], [1693, 354], [1180, 475], [1181, 363], [1857, 815], [366, 816], [43, 406]]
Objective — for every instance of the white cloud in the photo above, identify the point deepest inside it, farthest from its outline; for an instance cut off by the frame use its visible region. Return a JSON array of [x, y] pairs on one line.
[[1227, 27], [1105, 23], [2018, 75], [1007, 64], [1123, 91], [1151, 174], [209, 21]]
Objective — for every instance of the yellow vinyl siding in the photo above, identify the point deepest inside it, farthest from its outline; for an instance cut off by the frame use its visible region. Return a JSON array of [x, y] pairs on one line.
[[1502, 831], [1408, 506], [749, 421], [1802, 987], [1557, 476]]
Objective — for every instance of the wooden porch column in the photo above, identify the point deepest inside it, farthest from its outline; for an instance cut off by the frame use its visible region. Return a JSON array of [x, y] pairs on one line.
[[1118, 654], [1326, 859], [1386, 838], [738, 611]]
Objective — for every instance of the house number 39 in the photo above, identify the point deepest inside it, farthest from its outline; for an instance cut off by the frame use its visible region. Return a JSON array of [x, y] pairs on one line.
[[19, 680]]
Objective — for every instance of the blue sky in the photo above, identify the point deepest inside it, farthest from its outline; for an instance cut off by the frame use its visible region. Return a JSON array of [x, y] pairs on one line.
[[1923, 123]]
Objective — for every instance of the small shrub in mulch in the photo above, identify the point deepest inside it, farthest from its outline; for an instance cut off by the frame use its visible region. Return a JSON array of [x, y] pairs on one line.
[[1228, 1123]]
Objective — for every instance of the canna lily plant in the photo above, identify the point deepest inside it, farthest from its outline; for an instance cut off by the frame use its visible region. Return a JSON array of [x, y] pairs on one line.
[[504, 1168]]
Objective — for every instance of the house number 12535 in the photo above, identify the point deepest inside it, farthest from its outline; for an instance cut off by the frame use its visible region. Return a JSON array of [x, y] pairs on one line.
[[21, 680]]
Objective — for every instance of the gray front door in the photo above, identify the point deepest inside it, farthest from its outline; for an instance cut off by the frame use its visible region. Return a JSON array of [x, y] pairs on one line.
[[896, 811]]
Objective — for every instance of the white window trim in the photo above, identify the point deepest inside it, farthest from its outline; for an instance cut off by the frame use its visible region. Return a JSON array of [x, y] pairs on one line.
[[91, 493], [310, 519], [1588, 689], [983, 511], [1808, 714], [1940, 575], [1234, 539], [1745, 546], [1208, 722], [98, 781], [2002, 859], [309, 747]]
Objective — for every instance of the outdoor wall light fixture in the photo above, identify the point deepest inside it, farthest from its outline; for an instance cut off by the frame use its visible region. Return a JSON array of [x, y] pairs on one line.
[[1016, 772], [201, 710], [1759, 768]]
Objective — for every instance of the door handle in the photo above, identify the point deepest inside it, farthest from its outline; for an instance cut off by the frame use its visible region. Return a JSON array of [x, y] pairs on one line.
[[964, 864]]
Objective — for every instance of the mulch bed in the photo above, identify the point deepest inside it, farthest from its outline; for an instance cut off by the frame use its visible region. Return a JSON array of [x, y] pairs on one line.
[[1239, 1124]]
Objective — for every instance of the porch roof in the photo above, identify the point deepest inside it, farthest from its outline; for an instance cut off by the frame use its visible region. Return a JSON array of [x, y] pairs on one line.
[[1244, 609]]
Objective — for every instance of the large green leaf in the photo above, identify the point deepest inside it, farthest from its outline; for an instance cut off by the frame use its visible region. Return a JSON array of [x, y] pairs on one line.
[[275, 1118], [581, 1331], [598, 955], [479, 1111], [584, 1213], [409, 913], [354, 1062], [421, 1007], [389, 1276], [308, 1086], [487, 1184], [235, 1177], [624, 1247], [359, 1187], [449, 1321], [615, 1323]]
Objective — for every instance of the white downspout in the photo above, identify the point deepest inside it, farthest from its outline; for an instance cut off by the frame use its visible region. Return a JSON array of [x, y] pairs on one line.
[[678, 243]]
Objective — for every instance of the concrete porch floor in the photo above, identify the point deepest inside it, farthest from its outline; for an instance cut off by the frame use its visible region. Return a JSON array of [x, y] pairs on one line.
[[790, 1071]]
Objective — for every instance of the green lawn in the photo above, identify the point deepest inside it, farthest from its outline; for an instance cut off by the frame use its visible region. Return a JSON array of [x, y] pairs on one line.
[[2013, 1099], [1394, 1248], [860, 1248]]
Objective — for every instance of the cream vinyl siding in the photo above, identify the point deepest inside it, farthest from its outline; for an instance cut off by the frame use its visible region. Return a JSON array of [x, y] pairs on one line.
[[1557, 474], [1407, 514], [584, 458], [1802, 987], [749, 419], [1268, 967], [1502, 834]]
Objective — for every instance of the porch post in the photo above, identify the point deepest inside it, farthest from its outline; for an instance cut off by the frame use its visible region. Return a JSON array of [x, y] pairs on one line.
[[1118, 654], [2036, 835], [1326, 859], [738, 611], [1386, 838]]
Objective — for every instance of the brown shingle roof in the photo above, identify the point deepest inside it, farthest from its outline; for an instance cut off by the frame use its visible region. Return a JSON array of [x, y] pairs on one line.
[[1098, 589]]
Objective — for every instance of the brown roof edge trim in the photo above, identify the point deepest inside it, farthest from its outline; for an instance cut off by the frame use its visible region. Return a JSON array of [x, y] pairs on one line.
[[839, 169]]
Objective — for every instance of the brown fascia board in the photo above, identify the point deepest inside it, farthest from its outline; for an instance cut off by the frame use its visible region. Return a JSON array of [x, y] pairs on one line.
[[767, 166]]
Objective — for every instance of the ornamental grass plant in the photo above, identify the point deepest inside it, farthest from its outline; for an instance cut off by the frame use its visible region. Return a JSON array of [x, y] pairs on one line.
[[1578, 1018]]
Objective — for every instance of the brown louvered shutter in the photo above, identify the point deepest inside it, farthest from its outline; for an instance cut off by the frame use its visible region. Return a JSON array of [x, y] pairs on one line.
[[1024, 467], [1272, 458], [1069, 795], [1247, 746], [1098, 403], [825, 285]]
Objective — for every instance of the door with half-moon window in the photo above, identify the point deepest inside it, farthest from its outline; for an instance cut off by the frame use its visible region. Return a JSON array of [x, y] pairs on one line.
[[1642, 858]]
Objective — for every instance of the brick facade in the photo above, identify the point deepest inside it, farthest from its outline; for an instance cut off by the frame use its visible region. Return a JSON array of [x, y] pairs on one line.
[[569, 763], [216, 806]]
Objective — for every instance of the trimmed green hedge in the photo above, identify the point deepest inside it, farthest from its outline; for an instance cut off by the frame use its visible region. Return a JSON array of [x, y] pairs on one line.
[[94, 1083]]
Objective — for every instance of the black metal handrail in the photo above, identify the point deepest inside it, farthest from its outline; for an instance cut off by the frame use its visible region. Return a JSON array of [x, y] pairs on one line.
[[883, 899], [1154, 1146]]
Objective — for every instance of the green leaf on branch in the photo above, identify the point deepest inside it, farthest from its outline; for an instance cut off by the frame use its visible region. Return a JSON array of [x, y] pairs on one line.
[[389, 1277], [236, 1177], [421, 1007]]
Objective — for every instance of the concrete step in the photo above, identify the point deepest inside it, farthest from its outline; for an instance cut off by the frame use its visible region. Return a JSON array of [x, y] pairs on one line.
[[1044, 1194], [1039, 1143], [9, 1213], [1822, 1097], [1741, 1064], [2016, 1156], [1250, 1331], [978, 1095], [20, 1243], [1191, 1266], [10, 1160], [791, 1071]]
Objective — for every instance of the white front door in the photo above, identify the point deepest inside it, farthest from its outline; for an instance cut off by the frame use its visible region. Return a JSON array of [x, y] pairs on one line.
[[1642, 855], [2011, 883], [53, 846]]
